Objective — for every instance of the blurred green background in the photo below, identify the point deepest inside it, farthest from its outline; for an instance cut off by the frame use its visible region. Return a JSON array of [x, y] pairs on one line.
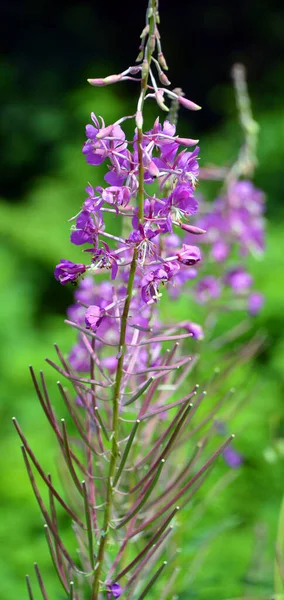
[[50, 50]]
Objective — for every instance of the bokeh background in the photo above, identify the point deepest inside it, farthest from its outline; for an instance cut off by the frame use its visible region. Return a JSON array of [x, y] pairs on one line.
[[50, 48]]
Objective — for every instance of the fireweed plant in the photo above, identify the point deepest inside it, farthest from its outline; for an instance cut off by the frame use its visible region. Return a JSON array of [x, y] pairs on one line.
[[234, 223], [135, 452]]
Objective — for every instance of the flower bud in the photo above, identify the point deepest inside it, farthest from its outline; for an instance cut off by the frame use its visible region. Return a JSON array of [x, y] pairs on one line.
[[144, 32], [162, 61], [153, 169], [139, 119], [140, 55], [152, 43], [104, 132], [188, 103], [185, 141], [97, 82], [106, 81], [160, 101], [145, 68], [163, 78], [192, 229]]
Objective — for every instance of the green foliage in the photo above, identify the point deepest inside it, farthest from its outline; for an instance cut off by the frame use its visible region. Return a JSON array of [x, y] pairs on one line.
[[218, 536]]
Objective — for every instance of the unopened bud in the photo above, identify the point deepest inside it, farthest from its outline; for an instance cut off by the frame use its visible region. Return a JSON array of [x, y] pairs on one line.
[[153, 169], [97, 82], [113, 79], [104, 132], [188, 103], [162, 61], [140, 55], [145, 32], [134, 70], [160, 101], [152, 43], [186, 141], [163, 78], [145, 68], [139, 119], [106, 81], [192, 229]]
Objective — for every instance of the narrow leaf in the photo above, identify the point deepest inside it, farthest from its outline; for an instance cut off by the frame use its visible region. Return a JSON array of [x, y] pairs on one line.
[[145, 495], [152, 581], [31, 596], [89, 525], [126, 451], [40, 582]]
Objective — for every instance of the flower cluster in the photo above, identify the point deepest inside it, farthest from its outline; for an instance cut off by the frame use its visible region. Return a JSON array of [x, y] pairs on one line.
[[165, 160], [234, 227]]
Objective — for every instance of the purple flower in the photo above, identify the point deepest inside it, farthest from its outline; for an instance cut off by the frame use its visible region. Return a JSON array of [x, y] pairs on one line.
[[117, 195], [189, 255], [66, 271], [239, 280], [87, 229], [208, 287], [195, 329], [255, 303], [114, 590], [150, 284], [182, 198], [103, 258], [97, 148], [232, 457], [93, 317], [220, 251]]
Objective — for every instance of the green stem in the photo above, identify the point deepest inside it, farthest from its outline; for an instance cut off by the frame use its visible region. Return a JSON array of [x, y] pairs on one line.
[[152, 10], [115, 423]]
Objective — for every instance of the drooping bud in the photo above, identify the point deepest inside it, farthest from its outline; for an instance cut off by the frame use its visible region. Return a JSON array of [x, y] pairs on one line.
[[160, 101], [162, 61], [188, 103], [99, 82], [192, 229], [140, 55], [144, 32], [163, 78], [186, 141]]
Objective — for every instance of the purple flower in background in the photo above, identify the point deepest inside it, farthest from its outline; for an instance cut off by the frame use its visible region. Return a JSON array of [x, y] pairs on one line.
[[195, 329], [114, 590], [220, 251], [232, 457], [239, 280], [93, 317], [207, 288], [255, 303], [67, 271]]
